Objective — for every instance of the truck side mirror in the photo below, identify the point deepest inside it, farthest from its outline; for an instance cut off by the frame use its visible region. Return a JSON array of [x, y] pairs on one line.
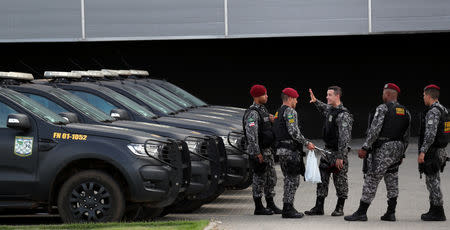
[[70, 117], [18, 121], [120, 114]]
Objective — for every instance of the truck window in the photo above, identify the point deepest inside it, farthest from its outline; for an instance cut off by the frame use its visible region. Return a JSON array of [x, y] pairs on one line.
[[96, 101], [33, 107], [4, 112], [47, 103]]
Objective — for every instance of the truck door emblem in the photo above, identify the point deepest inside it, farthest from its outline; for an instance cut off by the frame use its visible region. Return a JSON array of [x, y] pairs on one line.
[[23, 146]]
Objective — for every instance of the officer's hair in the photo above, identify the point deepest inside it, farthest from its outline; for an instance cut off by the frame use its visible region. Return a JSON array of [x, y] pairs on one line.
[[337, 90], [284, 97], [432, 92]]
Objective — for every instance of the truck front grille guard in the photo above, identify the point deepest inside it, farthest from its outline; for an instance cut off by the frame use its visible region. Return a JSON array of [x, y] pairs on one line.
[[147, 142], [186, 163], [239, 135], [203, 142]]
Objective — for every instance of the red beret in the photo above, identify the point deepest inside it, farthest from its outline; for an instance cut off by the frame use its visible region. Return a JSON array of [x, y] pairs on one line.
[[258, 90], [290, 92], [432, 87], [392, 86]]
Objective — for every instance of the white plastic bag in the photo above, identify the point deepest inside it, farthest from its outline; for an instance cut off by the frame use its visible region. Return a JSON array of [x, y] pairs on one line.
[[312, 173]]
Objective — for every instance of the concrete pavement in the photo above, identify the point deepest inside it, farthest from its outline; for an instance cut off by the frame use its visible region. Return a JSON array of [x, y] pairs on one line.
[[234, 209]]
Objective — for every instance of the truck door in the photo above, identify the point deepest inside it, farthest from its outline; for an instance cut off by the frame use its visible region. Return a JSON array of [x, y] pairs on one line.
[[18, 157]]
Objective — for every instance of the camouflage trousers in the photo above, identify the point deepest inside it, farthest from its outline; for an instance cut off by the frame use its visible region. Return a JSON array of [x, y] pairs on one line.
[[265, 183], [340, 181], [433, 183], [383, 163], [291, 180]]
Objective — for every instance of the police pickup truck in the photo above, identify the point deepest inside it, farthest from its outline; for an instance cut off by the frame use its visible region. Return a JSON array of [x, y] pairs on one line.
[[205, 183], [89, 172], [238, 173]]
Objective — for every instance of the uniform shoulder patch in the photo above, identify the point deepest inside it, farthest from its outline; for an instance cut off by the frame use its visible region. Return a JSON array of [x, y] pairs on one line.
[[251, 122], [276, 115]]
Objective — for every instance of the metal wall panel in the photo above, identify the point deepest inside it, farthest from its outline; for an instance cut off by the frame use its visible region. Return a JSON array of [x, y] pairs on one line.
[[40, 19], [410, 15], [298, 17], [147, 18], [60, 20]]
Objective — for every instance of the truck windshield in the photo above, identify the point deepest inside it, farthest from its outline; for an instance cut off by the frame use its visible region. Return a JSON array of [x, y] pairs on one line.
[[183, 94], [149, 101], [170, 95], [128, 103], [81, 105], [33, 107], [156, 96]]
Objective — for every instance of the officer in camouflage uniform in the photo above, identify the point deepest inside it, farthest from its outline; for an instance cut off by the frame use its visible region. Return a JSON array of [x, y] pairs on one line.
[[432, 154], [387, 140], [257, 123], [289, 142], [337, 136]]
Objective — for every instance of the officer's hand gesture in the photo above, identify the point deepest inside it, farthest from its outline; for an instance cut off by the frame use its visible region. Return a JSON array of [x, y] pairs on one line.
[[421, 158], [313, 98], [362, 153], [310, 146]]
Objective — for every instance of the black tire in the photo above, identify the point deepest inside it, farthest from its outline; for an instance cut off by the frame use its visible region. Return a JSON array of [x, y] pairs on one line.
[[91, 196], [243, 185], [213, 197], [151, 213], [185, 206]]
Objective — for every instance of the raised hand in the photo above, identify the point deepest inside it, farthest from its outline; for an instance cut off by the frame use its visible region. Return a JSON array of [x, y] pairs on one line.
[[313, 98]]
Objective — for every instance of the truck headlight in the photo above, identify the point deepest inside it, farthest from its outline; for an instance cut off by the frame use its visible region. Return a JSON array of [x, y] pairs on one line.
[[139, 149], [193, 146]]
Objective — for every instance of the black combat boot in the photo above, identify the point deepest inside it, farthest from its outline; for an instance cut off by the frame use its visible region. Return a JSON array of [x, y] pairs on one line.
[[339, 210], [390, 213], [360, 214], [259, 208], [318, 209], [290, 212], [271, 205], [427, 213], [436, 213]]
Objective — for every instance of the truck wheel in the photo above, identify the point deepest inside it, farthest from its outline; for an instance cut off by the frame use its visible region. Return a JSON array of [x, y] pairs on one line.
[[91, 196]]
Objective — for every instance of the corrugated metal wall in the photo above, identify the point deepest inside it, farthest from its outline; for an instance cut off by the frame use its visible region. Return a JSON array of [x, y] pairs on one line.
[[60, 20]]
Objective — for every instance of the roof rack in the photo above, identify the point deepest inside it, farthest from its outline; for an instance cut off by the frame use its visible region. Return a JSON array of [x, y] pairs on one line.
[[17, 76], [58, 74]]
